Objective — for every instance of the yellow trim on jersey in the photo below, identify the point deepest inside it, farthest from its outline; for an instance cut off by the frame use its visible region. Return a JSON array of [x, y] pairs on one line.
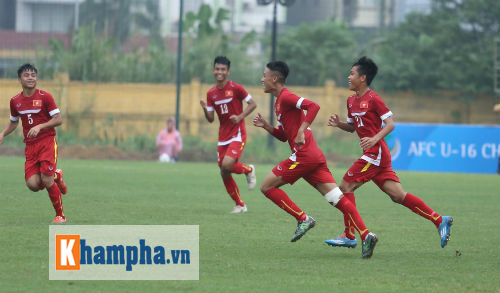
[[242, 146], [293, 166], [297, 213], [366, 167], [423, 213], [55, 151], [357, 228]]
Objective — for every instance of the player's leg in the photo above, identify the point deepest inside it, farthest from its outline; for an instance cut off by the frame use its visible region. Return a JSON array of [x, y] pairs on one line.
[[34, 182], [270, 188], [419, 207], [48, 165], [226, 163], [358, 174], [236, 149]]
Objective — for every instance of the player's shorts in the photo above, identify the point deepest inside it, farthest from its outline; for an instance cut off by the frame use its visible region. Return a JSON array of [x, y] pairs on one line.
[[291, 171], [362, 171], [233, 150], [41, 157]]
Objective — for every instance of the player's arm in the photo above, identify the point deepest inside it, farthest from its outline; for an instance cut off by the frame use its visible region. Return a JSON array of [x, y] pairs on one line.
[[55, 121], [209, 113], [8, 129], [368, 142], [312, 109], [249, 109], [259, 121], [334, 121]]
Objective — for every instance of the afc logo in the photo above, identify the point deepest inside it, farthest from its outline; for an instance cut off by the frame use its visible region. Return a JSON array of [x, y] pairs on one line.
[[67, 252]]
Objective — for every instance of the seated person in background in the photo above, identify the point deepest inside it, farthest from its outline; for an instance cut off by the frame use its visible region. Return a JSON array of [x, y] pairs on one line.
[[169, 142]]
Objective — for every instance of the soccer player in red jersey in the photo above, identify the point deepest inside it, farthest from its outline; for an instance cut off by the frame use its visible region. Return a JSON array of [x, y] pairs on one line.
[[226, 98], [365, 113], [307, 160], [39, 115]]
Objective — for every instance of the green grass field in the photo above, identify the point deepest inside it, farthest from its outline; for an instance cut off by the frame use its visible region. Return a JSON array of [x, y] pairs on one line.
[[251, 252]]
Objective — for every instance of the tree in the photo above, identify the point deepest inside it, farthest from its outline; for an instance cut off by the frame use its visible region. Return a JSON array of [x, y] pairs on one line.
[[449, 49], [206, 39], [317, 52]]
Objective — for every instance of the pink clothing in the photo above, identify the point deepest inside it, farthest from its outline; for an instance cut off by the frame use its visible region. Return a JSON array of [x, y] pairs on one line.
[[169, 143]]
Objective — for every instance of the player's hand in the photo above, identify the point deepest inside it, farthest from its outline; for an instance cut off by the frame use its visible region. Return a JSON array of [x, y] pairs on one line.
[[259, 121], [33, 131], [334, 120], [367, 142], [300, 139], [235, 118], [203, 104]]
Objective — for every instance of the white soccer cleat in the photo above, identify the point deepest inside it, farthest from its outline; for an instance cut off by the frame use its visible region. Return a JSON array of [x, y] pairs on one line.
[[251, 178], [239, 209]]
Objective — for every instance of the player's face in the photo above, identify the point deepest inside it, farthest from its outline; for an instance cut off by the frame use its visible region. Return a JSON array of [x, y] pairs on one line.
[[355, 80], [28, 79], [267, 81], [220, 72]]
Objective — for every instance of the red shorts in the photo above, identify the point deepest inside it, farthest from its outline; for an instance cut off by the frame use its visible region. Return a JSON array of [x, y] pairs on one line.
[[291, 171], [233, 150], [362, 171], [41, 157]]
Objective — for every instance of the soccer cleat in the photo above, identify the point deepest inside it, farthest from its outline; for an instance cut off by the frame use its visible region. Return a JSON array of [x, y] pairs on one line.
[[59, 219], [251, 178], [445, 229], [60, 182], [369, 245], [239, 209], [342, 241], [303, 227]]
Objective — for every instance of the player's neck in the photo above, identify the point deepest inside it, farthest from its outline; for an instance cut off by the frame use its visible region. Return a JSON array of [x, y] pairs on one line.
[[362, 91], [277, 90], [28, 92], [221, 84]]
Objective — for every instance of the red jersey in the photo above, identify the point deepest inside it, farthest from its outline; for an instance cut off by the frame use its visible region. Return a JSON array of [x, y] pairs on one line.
[[228, 101], [33, 111], [367, 113], [290, 115]]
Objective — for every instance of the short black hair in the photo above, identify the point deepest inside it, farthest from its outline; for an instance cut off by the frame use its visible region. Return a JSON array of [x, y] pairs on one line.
[[222, 60], [280, 69], [26, 67], [367, 67]]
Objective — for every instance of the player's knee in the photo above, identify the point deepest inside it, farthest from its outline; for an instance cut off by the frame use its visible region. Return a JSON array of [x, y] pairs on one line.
[[333, 196], [397, 197], [33, 186]]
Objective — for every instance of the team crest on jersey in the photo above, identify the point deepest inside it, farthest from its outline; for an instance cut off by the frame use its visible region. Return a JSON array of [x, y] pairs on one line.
[[37, 103], [350, 105], [229, 93], [364, 105], [18, 105]]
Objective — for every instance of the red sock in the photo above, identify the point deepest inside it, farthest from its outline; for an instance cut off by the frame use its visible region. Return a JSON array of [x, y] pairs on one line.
[[348, 209], [419, 207], [240, 168], [56, 199], [349, 231], [281, 199], [232, 190]]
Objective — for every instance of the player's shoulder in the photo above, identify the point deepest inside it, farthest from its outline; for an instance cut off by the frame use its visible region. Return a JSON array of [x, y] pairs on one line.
[[17, 97], [373, 95], [233, 84], [212, 90], [43, 94]]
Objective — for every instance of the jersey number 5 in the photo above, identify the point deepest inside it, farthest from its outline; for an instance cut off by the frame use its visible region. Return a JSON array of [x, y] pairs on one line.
[[30, 120], [359, 121], [223, 109]]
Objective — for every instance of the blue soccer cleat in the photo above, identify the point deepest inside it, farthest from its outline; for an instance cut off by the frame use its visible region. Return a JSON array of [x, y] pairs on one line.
[[444, 230], [342, 241]]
